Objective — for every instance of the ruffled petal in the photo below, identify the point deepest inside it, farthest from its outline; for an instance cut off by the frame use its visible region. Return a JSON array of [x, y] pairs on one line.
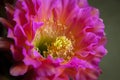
[[38, 25]]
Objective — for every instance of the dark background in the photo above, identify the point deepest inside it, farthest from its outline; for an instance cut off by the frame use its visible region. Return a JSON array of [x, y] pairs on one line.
[[110, 13]]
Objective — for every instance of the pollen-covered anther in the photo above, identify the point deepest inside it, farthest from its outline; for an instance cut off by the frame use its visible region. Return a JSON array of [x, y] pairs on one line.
[[62, 47]]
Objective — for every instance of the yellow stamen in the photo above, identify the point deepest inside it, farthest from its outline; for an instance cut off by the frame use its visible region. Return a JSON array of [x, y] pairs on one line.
[[50, 40], [62, 47]]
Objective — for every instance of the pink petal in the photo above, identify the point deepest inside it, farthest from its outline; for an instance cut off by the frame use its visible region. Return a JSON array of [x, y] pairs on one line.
[[18, 70]]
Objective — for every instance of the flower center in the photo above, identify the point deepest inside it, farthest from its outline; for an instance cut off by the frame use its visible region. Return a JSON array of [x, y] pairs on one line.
[[61, 47], [51, 40]]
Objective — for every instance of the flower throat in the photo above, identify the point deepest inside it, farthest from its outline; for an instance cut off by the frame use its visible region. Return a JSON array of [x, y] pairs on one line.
[[55, 46]]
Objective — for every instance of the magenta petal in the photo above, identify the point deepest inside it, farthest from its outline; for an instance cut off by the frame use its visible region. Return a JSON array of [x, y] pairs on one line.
[[82, 3], [19, 17], [77, 63], [16, 52], [31, 60], [18, 70], [35, 25], [20, 35], [29, 6], [101, 50]]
